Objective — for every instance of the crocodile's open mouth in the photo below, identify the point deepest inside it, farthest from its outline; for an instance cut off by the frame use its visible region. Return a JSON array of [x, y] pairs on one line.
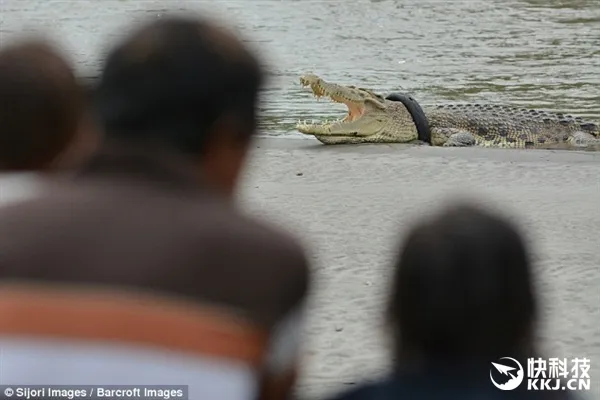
[[355, 109]]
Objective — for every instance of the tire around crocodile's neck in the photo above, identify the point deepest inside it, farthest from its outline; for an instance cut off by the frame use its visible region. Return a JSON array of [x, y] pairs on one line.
[[417, 114]]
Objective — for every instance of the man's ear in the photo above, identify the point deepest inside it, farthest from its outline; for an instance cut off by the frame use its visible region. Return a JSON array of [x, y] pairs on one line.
[[225, 154]]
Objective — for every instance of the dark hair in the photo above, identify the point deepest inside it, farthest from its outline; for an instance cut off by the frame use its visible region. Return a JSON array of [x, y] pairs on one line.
[[463, 289], [41, 105], [172, 79]]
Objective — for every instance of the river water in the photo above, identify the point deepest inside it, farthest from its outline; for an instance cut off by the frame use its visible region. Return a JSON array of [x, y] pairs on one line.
[[531, 53]]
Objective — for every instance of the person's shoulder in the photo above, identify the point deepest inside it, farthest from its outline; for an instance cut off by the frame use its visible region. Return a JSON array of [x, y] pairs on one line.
[[240, 226], [270, 263], [266, 240], [278, 239], [272, 249]]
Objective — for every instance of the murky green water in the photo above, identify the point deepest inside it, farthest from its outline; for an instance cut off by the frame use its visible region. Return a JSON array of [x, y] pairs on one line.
[[533, 53]]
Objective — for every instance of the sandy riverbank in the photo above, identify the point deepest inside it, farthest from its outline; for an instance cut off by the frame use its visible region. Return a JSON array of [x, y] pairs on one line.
[[350, 204]]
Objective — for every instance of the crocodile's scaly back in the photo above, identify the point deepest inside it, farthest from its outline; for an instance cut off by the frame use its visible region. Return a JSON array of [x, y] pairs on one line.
[[503, 126]]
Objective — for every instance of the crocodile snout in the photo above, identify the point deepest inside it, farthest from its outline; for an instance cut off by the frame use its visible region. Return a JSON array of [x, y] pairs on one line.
[[308, 80]]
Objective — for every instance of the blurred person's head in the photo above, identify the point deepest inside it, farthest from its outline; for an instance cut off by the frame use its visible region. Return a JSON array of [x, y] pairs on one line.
[[188, 85], [462, 290], [42, 109]]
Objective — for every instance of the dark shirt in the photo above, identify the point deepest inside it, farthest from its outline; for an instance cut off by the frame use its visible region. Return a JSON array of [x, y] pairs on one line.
[[445, 382], [142, 219]]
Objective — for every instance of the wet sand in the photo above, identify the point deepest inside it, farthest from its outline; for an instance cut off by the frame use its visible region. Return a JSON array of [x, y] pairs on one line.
[[351, 204]]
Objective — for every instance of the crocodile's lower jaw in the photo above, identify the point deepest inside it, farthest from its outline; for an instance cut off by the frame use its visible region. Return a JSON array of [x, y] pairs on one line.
[[316, 128], [307, 129]]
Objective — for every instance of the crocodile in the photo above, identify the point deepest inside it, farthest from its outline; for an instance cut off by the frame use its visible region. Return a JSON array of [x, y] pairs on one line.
[[398, 118]]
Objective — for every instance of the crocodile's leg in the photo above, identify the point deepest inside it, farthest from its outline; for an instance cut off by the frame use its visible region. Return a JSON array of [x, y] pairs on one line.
[[453, 137], [581, 139]]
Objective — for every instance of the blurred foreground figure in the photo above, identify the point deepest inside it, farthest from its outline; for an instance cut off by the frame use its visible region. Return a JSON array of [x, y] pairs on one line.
[[462, 298], [43, 124], [141, 270]]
